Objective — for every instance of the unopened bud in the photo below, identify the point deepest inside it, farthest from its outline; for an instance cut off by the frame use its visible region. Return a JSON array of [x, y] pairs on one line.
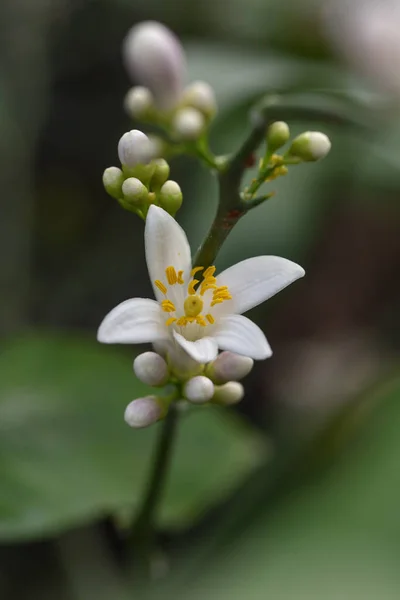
[[134, 191], [200, 95], [277, 135], [199, 389], [160, 175], [151, 369], [310, 146], [138, 102], [113, 178], [144, 412], [170, 197], [135, 148], [228, 394], [188, 124], [229, 366], [154, 57]]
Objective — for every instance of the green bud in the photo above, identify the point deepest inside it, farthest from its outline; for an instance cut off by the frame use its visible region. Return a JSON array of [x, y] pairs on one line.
[[170, 197], [160, 175], [277, 135], [113, 178], [142, 172], [310, 146], [135, 193], [228, 394]]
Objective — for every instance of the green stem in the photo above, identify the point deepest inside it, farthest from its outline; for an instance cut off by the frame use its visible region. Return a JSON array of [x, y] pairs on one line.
[[315, 108], [144, 530]]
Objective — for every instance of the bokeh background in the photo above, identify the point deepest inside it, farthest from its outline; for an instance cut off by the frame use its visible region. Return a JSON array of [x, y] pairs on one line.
[[293, 495]]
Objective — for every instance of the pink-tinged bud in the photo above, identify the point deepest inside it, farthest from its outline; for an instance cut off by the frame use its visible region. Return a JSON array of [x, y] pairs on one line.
[[154, 57], [144, 412], [228, 394], [199, 389], [229, 366], [151, 369]]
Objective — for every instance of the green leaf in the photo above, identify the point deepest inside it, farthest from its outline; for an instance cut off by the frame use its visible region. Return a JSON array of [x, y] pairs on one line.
[[332, 533], [67, 456]]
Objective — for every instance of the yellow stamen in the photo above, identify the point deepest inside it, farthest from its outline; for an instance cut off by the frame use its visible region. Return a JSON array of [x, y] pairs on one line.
[[218, 301], [201, 321], [168, 306], [180, 278], [191, 286], [210, 319], [181, 321], [160, 286], [170, 321], [208, 285], [209, 272], [172, 277], [195, 270]]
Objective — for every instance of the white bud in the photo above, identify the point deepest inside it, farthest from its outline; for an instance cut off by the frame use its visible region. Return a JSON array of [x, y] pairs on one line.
[[151, 368], [229, 393], [113, 178], [200, 95], [199, 389], [154, 57], [310, 146], [170, 197], [138, 102], [135, 148], [134, 190], [144, 412], [188, 123], [229, 366]]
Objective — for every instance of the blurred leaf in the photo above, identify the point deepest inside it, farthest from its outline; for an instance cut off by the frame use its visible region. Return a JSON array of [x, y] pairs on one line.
[[337, 534], [66, 454]]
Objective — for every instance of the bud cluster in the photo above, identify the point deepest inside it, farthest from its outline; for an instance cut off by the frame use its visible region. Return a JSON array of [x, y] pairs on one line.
[[309, 146], [217, 383], [143, 178], [154, 57]]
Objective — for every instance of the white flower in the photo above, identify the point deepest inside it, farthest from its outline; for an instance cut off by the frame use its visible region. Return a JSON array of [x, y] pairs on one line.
[[195, 310]]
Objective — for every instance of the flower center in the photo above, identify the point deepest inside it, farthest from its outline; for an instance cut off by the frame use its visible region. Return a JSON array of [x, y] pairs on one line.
[[193, 303], [193, 306]]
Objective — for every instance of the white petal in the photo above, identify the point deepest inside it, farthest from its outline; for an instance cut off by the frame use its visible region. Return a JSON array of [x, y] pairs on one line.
[[203, 350], [166, 245], [238, 334], [254, 280], [134, 321]]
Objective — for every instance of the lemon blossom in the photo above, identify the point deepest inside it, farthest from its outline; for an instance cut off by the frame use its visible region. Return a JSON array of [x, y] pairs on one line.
[[196, 310]]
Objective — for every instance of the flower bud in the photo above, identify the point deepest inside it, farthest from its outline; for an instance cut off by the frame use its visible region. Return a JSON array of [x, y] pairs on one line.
[[199, 389], [188, 124], [228, 394], [310, 146], [138, 102], [113, 178], [229, 366], [200, 95], [154, 56], [135, 148], [160, 175], [170, 197], [151, 369], [144, 412], [134, 191], [277, 135]]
